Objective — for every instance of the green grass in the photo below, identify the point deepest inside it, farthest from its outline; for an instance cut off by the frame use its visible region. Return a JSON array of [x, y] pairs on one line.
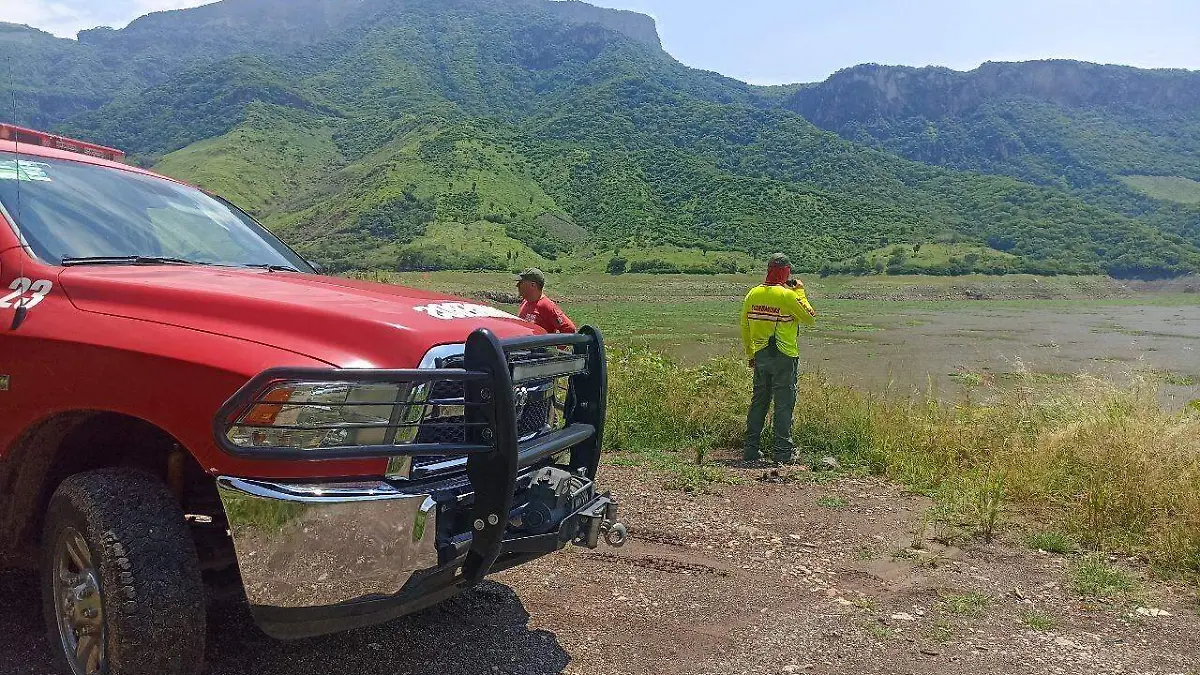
[[967, 378], [970, 604], [1052, 542], [932, 255], [880, 632], [697, 478], [486, 243], [1096, 577], [1179, 380], [942, 630], [1112, 468], [261, 163], [648, 257], [833, 502], [1168, 188], [679, 473], [1037, 620], [865, 553]]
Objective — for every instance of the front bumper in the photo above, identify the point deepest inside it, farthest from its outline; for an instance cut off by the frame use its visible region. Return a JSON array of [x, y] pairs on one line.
[[318, 558]]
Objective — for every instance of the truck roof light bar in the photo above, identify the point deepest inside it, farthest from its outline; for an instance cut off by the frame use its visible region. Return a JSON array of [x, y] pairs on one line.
[[12, 132]]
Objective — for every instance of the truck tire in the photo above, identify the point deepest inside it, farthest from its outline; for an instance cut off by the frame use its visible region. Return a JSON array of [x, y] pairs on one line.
[[121, 587]]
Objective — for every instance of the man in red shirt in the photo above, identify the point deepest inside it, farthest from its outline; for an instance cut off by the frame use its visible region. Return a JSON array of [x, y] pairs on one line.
[[536, 307]]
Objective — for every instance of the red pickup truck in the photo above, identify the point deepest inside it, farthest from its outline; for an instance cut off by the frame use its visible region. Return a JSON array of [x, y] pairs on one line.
[[183, 397]]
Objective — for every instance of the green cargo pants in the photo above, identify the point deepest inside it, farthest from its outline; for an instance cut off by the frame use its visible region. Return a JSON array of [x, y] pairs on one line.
[[774, 378]]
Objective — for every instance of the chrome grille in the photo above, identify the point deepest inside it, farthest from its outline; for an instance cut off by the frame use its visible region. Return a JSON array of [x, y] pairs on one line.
[[534, 418], [533, 421]]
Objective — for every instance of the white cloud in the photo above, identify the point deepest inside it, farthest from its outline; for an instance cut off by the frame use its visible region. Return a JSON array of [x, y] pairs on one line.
[[65, 18], [54, 17]]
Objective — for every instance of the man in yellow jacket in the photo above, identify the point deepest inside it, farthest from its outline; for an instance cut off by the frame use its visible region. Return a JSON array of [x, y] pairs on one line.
[[771, 318]]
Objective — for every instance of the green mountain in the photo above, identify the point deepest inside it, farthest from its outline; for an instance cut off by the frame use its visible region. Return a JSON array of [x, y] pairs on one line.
[[1054, 122], [498, 133], [1120, 137]]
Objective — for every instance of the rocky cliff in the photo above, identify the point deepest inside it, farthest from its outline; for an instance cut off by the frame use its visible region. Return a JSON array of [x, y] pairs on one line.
[[637, 27], [871, 91]]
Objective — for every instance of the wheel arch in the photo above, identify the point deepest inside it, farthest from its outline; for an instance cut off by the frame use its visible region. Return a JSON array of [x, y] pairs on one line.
[[72, 442]]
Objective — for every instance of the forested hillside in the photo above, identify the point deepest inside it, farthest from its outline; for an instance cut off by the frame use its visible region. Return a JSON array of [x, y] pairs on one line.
[[496, 133]]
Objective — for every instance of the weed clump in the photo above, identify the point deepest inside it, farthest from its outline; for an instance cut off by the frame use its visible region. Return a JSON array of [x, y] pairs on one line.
[[972, 604], [1052, 542], [1096, 577], [1037, 620], [833, 502]]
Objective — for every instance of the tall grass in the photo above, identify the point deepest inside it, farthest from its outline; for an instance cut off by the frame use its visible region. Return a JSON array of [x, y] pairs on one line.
[[1104, 464]]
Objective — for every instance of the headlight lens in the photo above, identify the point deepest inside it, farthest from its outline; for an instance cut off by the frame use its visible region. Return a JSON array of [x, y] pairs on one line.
[[324, 415], [329, 415]]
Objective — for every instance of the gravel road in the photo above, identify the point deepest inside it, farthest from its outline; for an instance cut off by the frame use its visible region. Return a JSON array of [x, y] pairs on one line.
[[760, 577]]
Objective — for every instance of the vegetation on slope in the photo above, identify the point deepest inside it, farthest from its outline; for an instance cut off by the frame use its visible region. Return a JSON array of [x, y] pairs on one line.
[[1168, 188], [261, 164], [530, 114]]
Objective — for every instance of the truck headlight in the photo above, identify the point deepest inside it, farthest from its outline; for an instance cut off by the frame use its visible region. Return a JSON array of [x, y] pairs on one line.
[[311, 415]]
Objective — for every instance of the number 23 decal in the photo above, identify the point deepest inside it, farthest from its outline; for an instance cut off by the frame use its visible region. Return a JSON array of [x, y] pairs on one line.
[[20, 286]]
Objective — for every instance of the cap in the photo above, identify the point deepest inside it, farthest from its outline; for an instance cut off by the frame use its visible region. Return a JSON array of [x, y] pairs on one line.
[[533, 274], [780, 260]]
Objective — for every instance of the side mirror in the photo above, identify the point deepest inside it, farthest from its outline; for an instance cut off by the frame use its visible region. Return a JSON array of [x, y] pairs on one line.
[[316, 266]]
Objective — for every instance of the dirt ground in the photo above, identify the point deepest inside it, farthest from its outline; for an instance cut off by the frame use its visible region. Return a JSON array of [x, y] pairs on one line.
[[761, 577]]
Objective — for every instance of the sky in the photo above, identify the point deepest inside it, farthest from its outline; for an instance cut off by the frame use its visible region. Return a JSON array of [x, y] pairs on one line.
[[783, 41]]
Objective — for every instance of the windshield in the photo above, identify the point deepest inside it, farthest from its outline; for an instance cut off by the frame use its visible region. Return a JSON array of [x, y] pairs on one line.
[[77, 211]]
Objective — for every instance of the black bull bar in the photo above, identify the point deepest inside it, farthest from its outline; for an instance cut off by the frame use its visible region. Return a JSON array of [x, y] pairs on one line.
[[494, 455]]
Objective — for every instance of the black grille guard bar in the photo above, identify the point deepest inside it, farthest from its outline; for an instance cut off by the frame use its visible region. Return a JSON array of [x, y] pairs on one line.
[[493, 453]]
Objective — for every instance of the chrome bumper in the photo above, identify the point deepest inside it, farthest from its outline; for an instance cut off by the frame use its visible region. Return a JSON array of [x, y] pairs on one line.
[[322, 558], [326, 544]]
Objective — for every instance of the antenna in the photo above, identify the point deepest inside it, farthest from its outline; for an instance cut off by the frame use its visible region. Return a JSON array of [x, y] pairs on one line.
[[21, 309]]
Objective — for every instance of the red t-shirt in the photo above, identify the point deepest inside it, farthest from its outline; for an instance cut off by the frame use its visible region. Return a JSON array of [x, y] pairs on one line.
[[546, 314]]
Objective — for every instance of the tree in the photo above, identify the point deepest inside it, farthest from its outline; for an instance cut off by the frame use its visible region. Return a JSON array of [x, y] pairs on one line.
[[897, 261], [618, 265]]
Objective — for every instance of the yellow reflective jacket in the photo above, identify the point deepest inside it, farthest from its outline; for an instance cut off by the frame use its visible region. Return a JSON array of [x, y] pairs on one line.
[[774, 311], [803, 297]]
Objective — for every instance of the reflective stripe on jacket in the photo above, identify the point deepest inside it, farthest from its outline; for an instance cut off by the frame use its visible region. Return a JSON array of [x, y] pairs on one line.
[[774, 311]]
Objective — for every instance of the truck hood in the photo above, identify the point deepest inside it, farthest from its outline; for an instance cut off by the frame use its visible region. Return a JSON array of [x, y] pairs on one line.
[[346, 323]]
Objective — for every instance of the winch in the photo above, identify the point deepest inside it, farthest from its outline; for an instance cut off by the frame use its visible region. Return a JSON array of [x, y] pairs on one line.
[[556, 495]]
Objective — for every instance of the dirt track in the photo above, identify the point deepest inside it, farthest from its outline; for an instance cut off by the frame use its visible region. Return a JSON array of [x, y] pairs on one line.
[[759, 578]]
